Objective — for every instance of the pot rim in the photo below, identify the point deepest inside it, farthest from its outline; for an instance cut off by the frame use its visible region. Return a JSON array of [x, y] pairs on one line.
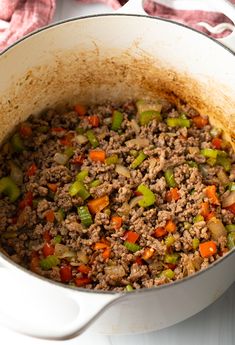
[[141, 290]]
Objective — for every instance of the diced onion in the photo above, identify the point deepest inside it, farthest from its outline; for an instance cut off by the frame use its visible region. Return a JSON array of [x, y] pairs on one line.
[[121, 170], [135, 201], [81, 139], [135, 126], [62, 251], [229, 199], [60, 158], [216, 228], [82, 257], [138, 142]]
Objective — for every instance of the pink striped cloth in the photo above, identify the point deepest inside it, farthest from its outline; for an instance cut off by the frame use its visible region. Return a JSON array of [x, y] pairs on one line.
[[20, 17]]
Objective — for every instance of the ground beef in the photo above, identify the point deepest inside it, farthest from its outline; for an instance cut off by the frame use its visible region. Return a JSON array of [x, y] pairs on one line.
[[129, 245]]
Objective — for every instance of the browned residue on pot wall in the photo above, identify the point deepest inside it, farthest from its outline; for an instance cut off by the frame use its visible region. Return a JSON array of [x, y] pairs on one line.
[[88, 78]]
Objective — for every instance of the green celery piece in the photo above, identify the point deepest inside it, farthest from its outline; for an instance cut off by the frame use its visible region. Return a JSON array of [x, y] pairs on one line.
[[224, 162], [230, 227], [49, 262], [82, 175], [69, 152], [117, 119], [149, 115], [92, 138], [231, 186], [111, 160], [132, 247], [178, 122], [146, 105], [231, 240], [57, 239], [148, 197], [169, 240], [209, 153], [170, 180], [138, 160], [78, 188], [84, 216], [168, 273], [192, 164], [60, 215], [95, 183], [43, 129], [9, 188], [171, 258], [195, 243], [129, 288], [211, 161], [198, 218], [17, 143]]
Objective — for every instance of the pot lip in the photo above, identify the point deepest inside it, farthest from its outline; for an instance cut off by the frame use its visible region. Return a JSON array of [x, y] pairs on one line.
[[100, 292], [74, 19]]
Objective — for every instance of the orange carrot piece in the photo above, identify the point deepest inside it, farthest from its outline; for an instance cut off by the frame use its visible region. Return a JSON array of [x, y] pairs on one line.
[[100, 245], [205, 209], [52, 187], [172, 194], [58, 129], [199, 121], [80, 109], [82, 281], [217, 143], [48, 249], [83, 269], [25, 131], [31, 171], [116, 222], [207, 249], [106, 253], [94, 120], [160, 232], [170, 226], [148, 253], [34, 264], [50, 216], [97, 155], [78, 160], [97, 205], [210, 215], [138, 260], [210, 192], [231, 208], [46, 236], [131, 236]]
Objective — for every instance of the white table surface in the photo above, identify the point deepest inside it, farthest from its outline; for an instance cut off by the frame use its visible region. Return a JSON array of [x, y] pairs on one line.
[[213, 326]]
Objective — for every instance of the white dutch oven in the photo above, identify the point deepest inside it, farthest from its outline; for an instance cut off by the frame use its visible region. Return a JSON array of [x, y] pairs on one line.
[[90, 60]]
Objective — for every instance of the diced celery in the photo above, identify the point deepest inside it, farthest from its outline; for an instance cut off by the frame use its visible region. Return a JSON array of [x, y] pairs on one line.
[[84, 216], [117, 119], [111, 160], [92, 138], [17, 143], [69, 152], [138, 160], [78, 188], [230, 227], [95, 183], [9, 188], [129, 288], [231, 240], [178, 122], [171, 258], [195, 243], [148, 196], [210, 153], [82, 175], [147, 116], [132, 247], [169, 240], [198, 218], [49, 262], [170, 180], [168, 273], [192, 164]]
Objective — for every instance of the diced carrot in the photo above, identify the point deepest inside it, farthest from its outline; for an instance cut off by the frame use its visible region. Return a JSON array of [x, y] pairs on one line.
[[52, 187], [48, 249], [26, 201], [210, 192], [80, 109], [131, 236], [67, 139], [207, 249], [205, 209], [171, 266], [82, 281], [199, 121], [170, 226], [94, 120], [217, 143], [97, 155], [25, 131], [172, 194], [97, 205], [84, 269], [34, 263], [14, 220], [116, 222], [31, 171], [231, 208], [58, 129], [46, 236], [137, 193], [148, 253], [106, 253], [139, 260], [160, 232], [78, 160], [100, 245], [65, 273], [210, 215], [50, 216]]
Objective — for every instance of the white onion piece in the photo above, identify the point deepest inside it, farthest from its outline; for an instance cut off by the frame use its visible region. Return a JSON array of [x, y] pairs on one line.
[[62, 251], [135, 126], [135, 201], [107, 120], [81, 256], [141, 142], [61, 158], [121, 170], [216, 228], [229, 200], [81, 139]]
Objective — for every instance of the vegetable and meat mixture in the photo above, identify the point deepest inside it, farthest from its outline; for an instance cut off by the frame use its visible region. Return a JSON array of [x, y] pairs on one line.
[[117, 197]]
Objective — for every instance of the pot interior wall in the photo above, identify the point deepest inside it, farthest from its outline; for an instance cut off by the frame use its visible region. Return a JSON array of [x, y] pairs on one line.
[[75, 62]]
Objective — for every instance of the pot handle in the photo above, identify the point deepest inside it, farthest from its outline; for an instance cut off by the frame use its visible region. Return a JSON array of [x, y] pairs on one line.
[[35, 307]]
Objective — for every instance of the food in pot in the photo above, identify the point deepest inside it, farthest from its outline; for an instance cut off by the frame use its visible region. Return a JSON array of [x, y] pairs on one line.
[[117, 197]]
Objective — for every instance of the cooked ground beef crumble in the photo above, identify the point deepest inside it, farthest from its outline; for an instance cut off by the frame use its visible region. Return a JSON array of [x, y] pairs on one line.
[[117, 197]]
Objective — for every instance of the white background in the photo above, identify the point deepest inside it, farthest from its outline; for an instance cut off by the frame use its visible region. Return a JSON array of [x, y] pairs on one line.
[[213, 326]]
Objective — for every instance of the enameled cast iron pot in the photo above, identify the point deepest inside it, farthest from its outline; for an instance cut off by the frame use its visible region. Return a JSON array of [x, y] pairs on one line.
[[93, 59]]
